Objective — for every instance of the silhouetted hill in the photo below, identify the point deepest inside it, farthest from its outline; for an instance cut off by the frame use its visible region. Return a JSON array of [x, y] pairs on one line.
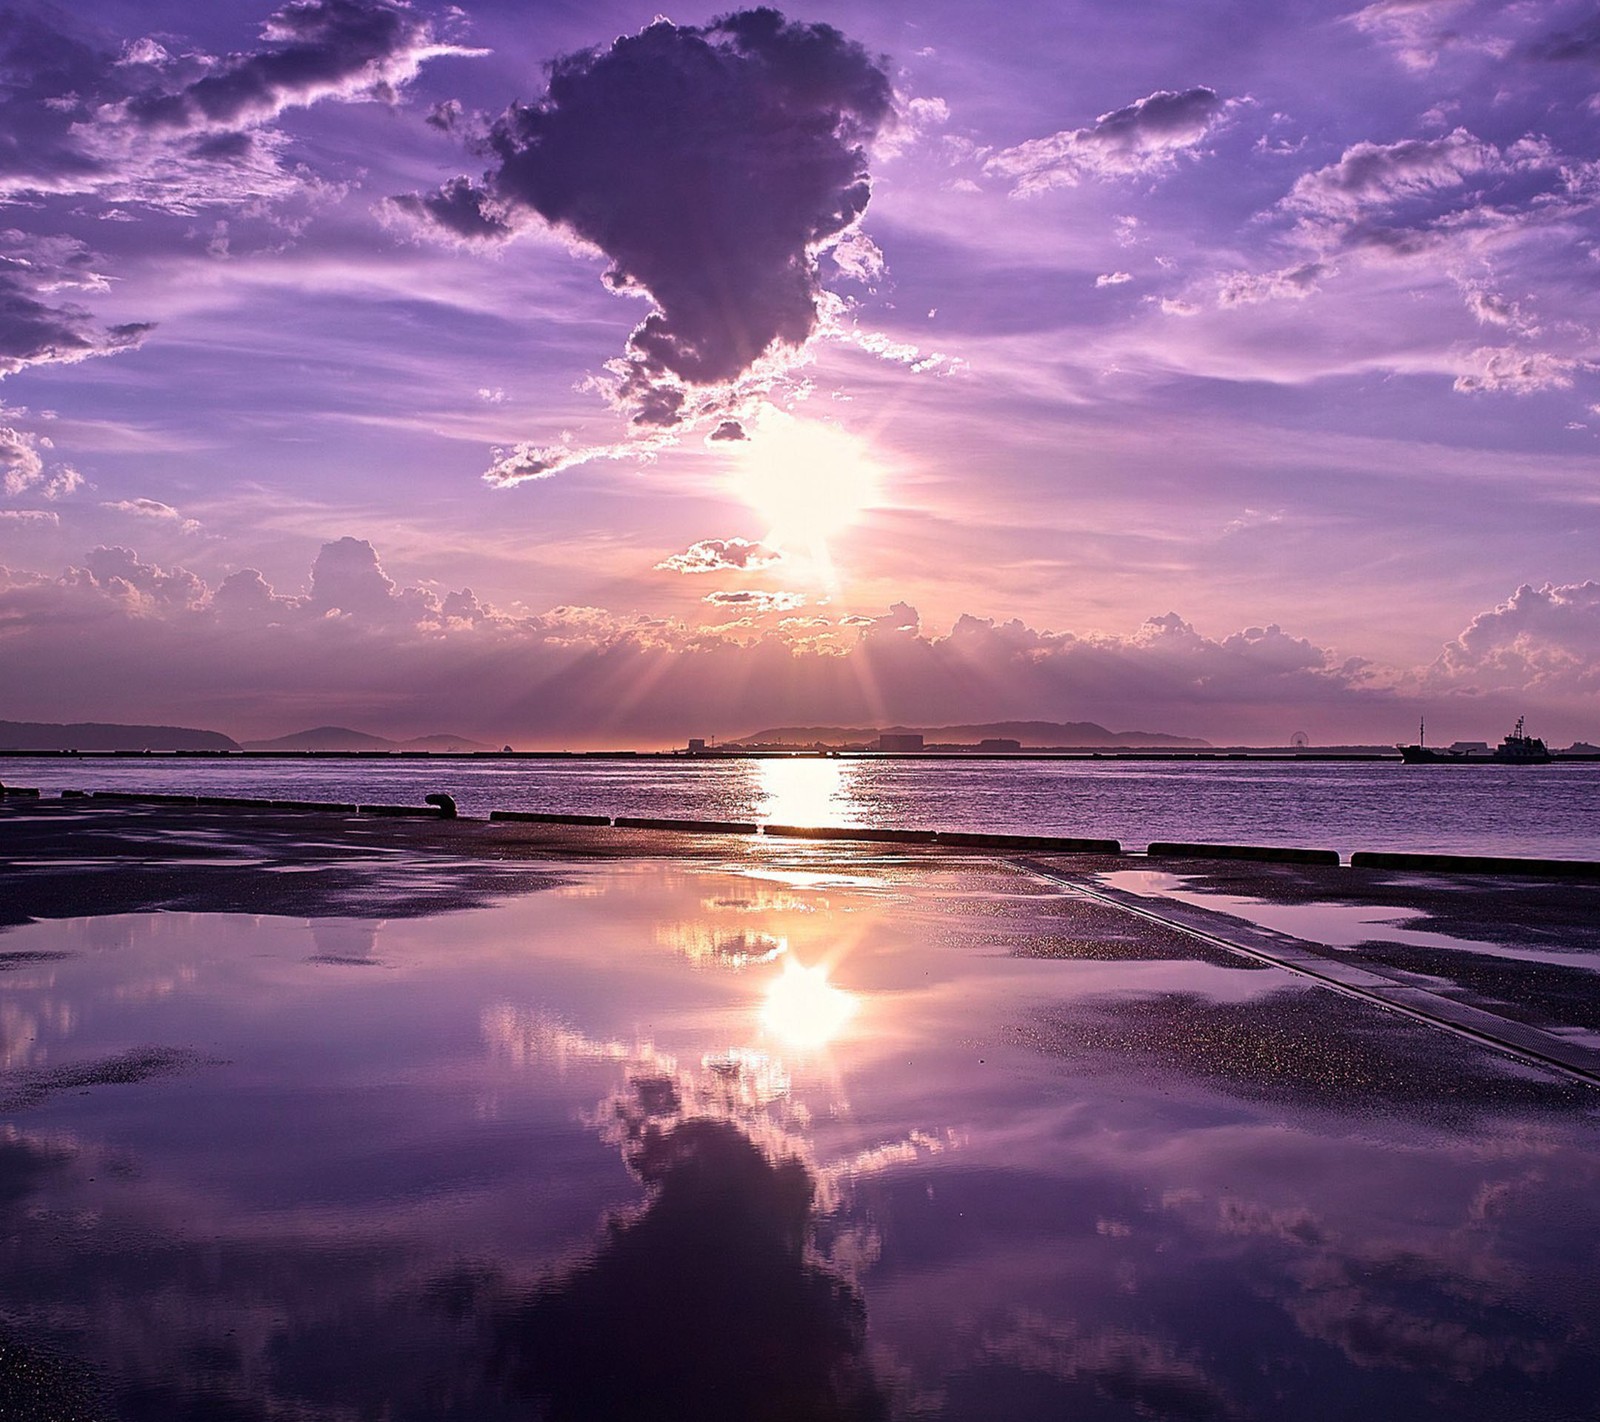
[[102, 736], [1035, 735], [342, 738]]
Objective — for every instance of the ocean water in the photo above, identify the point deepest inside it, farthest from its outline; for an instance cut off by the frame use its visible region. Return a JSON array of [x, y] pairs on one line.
[[1549, 810]]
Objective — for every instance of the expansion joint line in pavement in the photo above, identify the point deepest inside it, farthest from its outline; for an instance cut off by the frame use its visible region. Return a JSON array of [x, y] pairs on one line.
[[1516, 1039]]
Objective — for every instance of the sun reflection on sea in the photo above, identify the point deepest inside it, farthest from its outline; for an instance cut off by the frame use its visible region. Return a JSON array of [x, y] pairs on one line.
[[807, 791]]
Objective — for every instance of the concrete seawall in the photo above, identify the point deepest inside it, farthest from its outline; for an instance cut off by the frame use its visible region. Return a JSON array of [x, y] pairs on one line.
[[1404, 861]]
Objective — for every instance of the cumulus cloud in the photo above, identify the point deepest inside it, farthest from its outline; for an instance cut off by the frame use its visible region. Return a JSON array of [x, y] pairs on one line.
[[1113, 278], [710, 165], [716, 555], [21, 467], [139, 586], [1540, 641], [23, 470], [1147, 137]]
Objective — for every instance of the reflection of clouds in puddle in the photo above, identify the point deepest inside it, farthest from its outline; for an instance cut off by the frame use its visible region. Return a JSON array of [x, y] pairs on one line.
[[29, 1034], [350, 942], [813, 878], [154, 988], [758, 902], [745, 1086], [527, 1037], [704, 945], [1157, 1378]]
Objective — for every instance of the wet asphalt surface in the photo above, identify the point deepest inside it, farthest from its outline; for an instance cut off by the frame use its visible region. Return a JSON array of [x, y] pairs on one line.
[[1294, 1046], [76, 858]]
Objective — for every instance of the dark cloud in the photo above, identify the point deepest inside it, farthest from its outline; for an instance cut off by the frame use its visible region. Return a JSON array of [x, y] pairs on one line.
[[78, 115], [36, 328], [709, 164], [321, 48], [728, 430], [445, 116], [53, 82], [1579, 45], [460, 207]]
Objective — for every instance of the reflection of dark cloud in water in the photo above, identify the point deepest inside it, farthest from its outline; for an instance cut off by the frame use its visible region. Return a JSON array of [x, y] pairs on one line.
[[703, 1306], [29, 1088]]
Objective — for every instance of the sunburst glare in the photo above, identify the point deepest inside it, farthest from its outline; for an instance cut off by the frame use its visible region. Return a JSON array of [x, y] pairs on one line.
[[805, 1009], [808, 481]]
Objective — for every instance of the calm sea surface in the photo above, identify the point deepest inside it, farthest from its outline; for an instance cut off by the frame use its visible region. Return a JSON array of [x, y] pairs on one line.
[[1538, 810]]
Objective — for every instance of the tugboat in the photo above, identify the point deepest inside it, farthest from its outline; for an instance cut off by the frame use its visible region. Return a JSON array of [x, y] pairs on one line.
[[1520, 749]]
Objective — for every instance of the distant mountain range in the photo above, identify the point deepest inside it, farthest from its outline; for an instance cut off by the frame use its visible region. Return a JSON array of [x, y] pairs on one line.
[[342, 738], [100, 736], [1035, 735]]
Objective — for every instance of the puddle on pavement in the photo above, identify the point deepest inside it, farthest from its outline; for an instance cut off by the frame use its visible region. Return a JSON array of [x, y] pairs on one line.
[[1333, 925], [793, 1144]]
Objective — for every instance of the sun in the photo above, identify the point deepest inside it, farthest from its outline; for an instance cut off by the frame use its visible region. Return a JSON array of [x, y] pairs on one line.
[[807, 480]]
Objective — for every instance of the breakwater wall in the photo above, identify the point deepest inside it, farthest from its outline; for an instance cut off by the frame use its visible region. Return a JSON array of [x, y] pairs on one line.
[[1166, 851]]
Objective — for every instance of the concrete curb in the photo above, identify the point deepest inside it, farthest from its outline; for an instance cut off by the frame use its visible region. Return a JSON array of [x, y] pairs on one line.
[[690, 826], [886, 836], [540, 817], [1046, 842], [1265, 853], [1476, 864]]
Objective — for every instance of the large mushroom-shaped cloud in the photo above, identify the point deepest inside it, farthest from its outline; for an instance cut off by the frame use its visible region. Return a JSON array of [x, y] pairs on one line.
[[710, 164]]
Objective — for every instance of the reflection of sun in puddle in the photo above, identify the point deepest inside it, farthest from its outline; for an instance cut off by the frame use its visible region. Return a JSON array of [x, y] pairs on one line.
[[805, 1009]]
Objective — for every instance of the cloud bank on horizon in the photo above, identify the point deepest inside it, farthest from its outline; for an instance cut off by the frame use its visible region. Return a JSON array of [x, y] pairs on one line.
[[769, 323], [357, 644]]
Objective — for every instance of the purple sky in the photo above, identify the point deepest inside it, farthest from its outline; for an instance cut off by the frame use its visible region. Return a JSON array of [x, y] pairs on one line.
[[1228, 370]]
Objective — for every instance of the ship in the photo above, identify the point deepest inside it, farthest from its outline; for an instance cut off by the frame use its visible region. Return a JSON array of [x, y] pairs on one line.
[[1518, 748]]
